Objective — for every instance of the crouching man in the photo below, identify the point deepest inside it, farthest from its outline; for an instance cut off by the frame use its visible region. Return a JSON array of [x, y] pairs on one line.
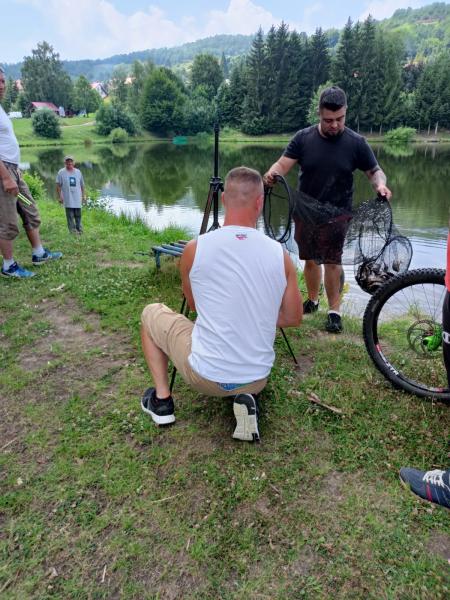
[[242, 285]]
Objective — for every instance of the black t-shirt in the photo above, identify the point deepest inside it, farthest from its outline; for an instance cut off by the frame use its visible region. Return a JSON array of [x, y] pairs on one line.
[[327, 164]]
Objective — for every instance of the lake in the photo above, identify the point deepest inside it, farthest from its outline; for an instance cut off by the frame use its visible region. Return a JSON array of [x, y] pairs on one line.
[[167, 184]]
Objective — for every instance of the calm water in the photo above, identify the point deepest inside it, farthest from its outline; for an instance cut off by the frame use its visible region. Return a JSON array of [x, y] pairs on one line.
[[167, 184]]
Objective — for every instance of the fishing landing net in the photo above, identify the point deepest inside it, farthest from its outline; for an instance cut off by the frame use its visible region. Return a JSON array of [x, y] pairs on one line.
[[365, 238]]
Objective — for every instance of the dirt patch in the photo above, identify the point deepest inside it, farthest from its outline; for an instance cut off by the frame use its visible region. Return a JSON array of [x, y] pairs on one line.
[[305, 364], [439, 544], [70, 332]]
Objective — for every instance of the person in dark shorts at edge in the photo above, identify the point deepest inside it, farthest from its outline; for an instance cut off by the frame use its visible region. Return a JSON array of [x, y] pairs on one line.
[[242, 284], [327, 154], [16, 199], [434, 485]]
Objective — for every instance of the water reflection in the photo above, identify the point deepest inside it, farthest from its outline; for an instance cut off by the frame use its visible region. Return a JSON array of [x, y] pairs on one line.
[[167, 184]]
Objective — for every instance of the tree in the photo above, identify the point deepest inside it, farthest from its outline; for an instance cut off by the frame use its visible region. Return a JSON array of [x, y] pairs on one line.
[[319, 59], [11, 94], [84, 97], [119, 89], [110, 116], [46, 124], [254, 111], [44, 79], [206, 72], [345, 68], [139, 73], [161, 109]]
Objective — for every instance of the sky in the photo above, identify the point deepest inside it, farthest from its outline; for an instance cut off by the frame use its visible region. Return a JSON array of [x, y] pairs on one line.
[[80, 29]]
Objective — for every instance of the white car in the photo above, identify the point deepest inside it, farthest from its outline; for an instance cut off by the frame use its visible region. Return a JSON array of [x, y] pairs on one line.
[[15, 114]]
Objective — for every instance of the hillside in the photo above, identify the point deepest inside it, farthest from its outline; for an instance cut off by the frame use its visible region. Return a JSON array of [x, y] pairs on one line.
[[425, 30]]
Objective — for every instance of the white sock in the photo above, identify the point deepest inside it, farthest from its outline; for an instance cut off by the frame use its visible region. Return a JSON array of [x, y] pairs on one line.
[[39, 251], [334, 312], [7, 262]]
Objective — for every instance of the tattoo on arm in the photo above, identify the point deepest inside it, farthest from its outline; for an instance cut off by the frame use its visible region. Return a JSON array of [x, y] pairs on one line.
[[377, 177]]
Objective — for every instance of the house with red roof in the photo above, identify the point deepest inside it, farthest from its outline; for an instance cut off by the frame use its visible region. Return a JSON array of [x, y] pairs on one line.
[[39, 105]]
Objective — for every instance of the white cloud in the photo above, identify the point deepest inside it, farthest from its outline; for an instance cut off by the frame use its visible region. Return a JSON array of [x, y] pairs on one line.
[[241, 16], [96, 29], [383, 9]]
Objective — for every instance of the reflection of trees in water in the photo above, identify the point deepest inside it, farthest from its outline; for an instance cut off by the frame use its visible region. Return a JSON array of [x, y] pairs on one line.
[[163, 174]]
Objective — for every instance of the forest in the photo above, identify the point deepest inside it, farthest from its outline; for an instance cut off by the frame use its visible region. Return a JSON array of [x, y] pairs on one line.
[[395, 72]]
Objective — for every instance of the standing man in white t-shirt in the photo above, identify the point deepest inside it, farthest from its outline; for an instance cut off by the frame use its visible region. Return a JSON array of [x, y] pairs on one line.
[[242, 285], [70, 190], [11, 185]]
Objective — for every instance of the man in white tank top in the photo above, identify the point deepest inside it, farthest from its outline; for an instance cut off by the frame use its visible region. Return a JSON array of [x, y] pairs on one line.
[[242, 285]]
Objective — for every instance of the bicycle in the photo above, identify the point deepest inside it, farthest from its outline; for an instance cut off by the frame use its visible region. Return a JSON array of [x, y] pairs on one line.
[[402, 328]]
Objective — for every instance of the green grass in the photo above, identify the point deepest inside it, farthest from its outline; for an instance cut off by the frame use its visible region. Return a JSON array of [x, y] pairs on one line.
[[97, 502], [74, 131]]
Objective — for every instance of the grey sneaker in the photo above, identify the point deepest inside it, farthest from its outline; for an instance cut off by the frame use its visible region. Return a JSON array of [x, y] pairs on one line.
[[48, 255], [245, 410]]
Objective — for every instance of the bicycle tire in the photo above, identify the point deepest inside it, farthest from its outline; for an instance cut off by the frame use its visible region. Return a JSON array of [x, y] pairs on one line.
[[399, 321]]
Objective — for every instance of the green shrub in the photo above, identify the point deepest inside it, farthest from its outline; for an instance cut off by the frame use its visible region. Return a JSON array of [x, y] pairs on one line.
[[111, 116], [400, 135], [46, 124], [36, 185], [118, 135]]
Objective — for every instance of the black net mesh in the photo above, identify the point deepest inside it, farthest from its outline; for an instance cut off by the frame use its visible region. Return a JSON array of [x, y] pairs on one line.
[[366, 238]]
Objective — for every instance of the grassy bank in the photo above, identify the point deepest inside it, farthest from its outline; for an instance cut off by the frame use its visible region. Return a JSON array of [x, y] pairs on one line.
[[74, 131], [97, 502], [81, 130]]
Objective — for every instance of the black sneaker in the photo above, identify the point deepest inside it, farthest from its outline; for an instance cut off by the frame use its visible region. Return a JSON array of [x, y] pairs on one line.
[[333, 323], [245, 410], [161, 411], [309, 306], [428, 485]]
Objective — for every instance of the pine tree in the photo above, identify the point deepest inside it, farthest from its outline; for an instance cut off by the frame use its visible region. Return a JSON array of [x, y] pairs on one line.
[[319, 58], [254, 118], [297, 89]]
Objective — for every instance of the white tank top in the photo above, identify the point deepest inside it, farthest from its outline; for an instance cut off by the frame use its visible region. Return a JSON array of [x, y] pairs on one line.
[[233, 336], [9, 148]]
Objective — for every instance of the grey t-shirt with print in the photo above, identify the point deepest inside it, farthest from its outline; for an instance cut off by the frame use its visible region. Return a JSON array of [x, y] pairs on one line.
[[71, 183]]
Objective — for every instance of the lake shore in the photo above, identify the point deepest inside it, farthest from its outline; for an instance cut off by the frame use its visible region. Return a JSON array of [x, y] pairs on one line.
[[81, 130], [96, 501]]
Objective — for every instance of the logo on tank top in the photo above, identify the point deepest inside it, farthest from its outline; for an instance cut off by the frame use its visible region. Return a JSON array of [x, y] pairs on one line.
[[241, 236]]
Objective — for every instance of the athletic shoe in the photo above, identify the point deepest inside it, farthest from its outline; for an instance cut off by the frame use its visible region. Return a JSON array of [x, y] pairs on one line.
[[245, 410], [309, 306], [333, 323], [48, 255], [429, 485], [16, 270], [161, 411]]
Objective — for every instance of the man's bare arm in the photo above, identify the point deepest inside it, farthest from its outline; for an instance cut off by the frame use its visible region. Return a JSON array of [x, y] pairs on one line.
[[9, 185], [281, 167], [378, 180], [186, 262], [291, 309]]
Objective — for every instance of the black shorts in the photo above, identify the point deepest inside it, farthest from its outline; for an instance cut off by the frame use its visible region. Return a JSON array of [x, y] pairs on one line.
[[446, 328], [324, 243]]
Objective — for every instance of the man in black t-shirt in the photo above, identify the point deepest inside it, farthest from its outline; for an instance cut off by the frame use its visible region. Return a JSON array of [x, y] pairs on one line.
[[327, 154]]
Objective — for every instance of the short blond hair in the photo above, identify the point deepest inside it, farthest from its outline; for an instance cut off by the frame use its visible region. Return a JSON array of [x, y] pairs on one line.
[[242, 185]]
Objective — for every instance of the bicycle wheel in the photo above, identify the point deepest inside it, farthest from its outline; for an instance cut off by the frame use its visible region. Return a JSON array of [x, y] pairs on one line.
[[402, 329]]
